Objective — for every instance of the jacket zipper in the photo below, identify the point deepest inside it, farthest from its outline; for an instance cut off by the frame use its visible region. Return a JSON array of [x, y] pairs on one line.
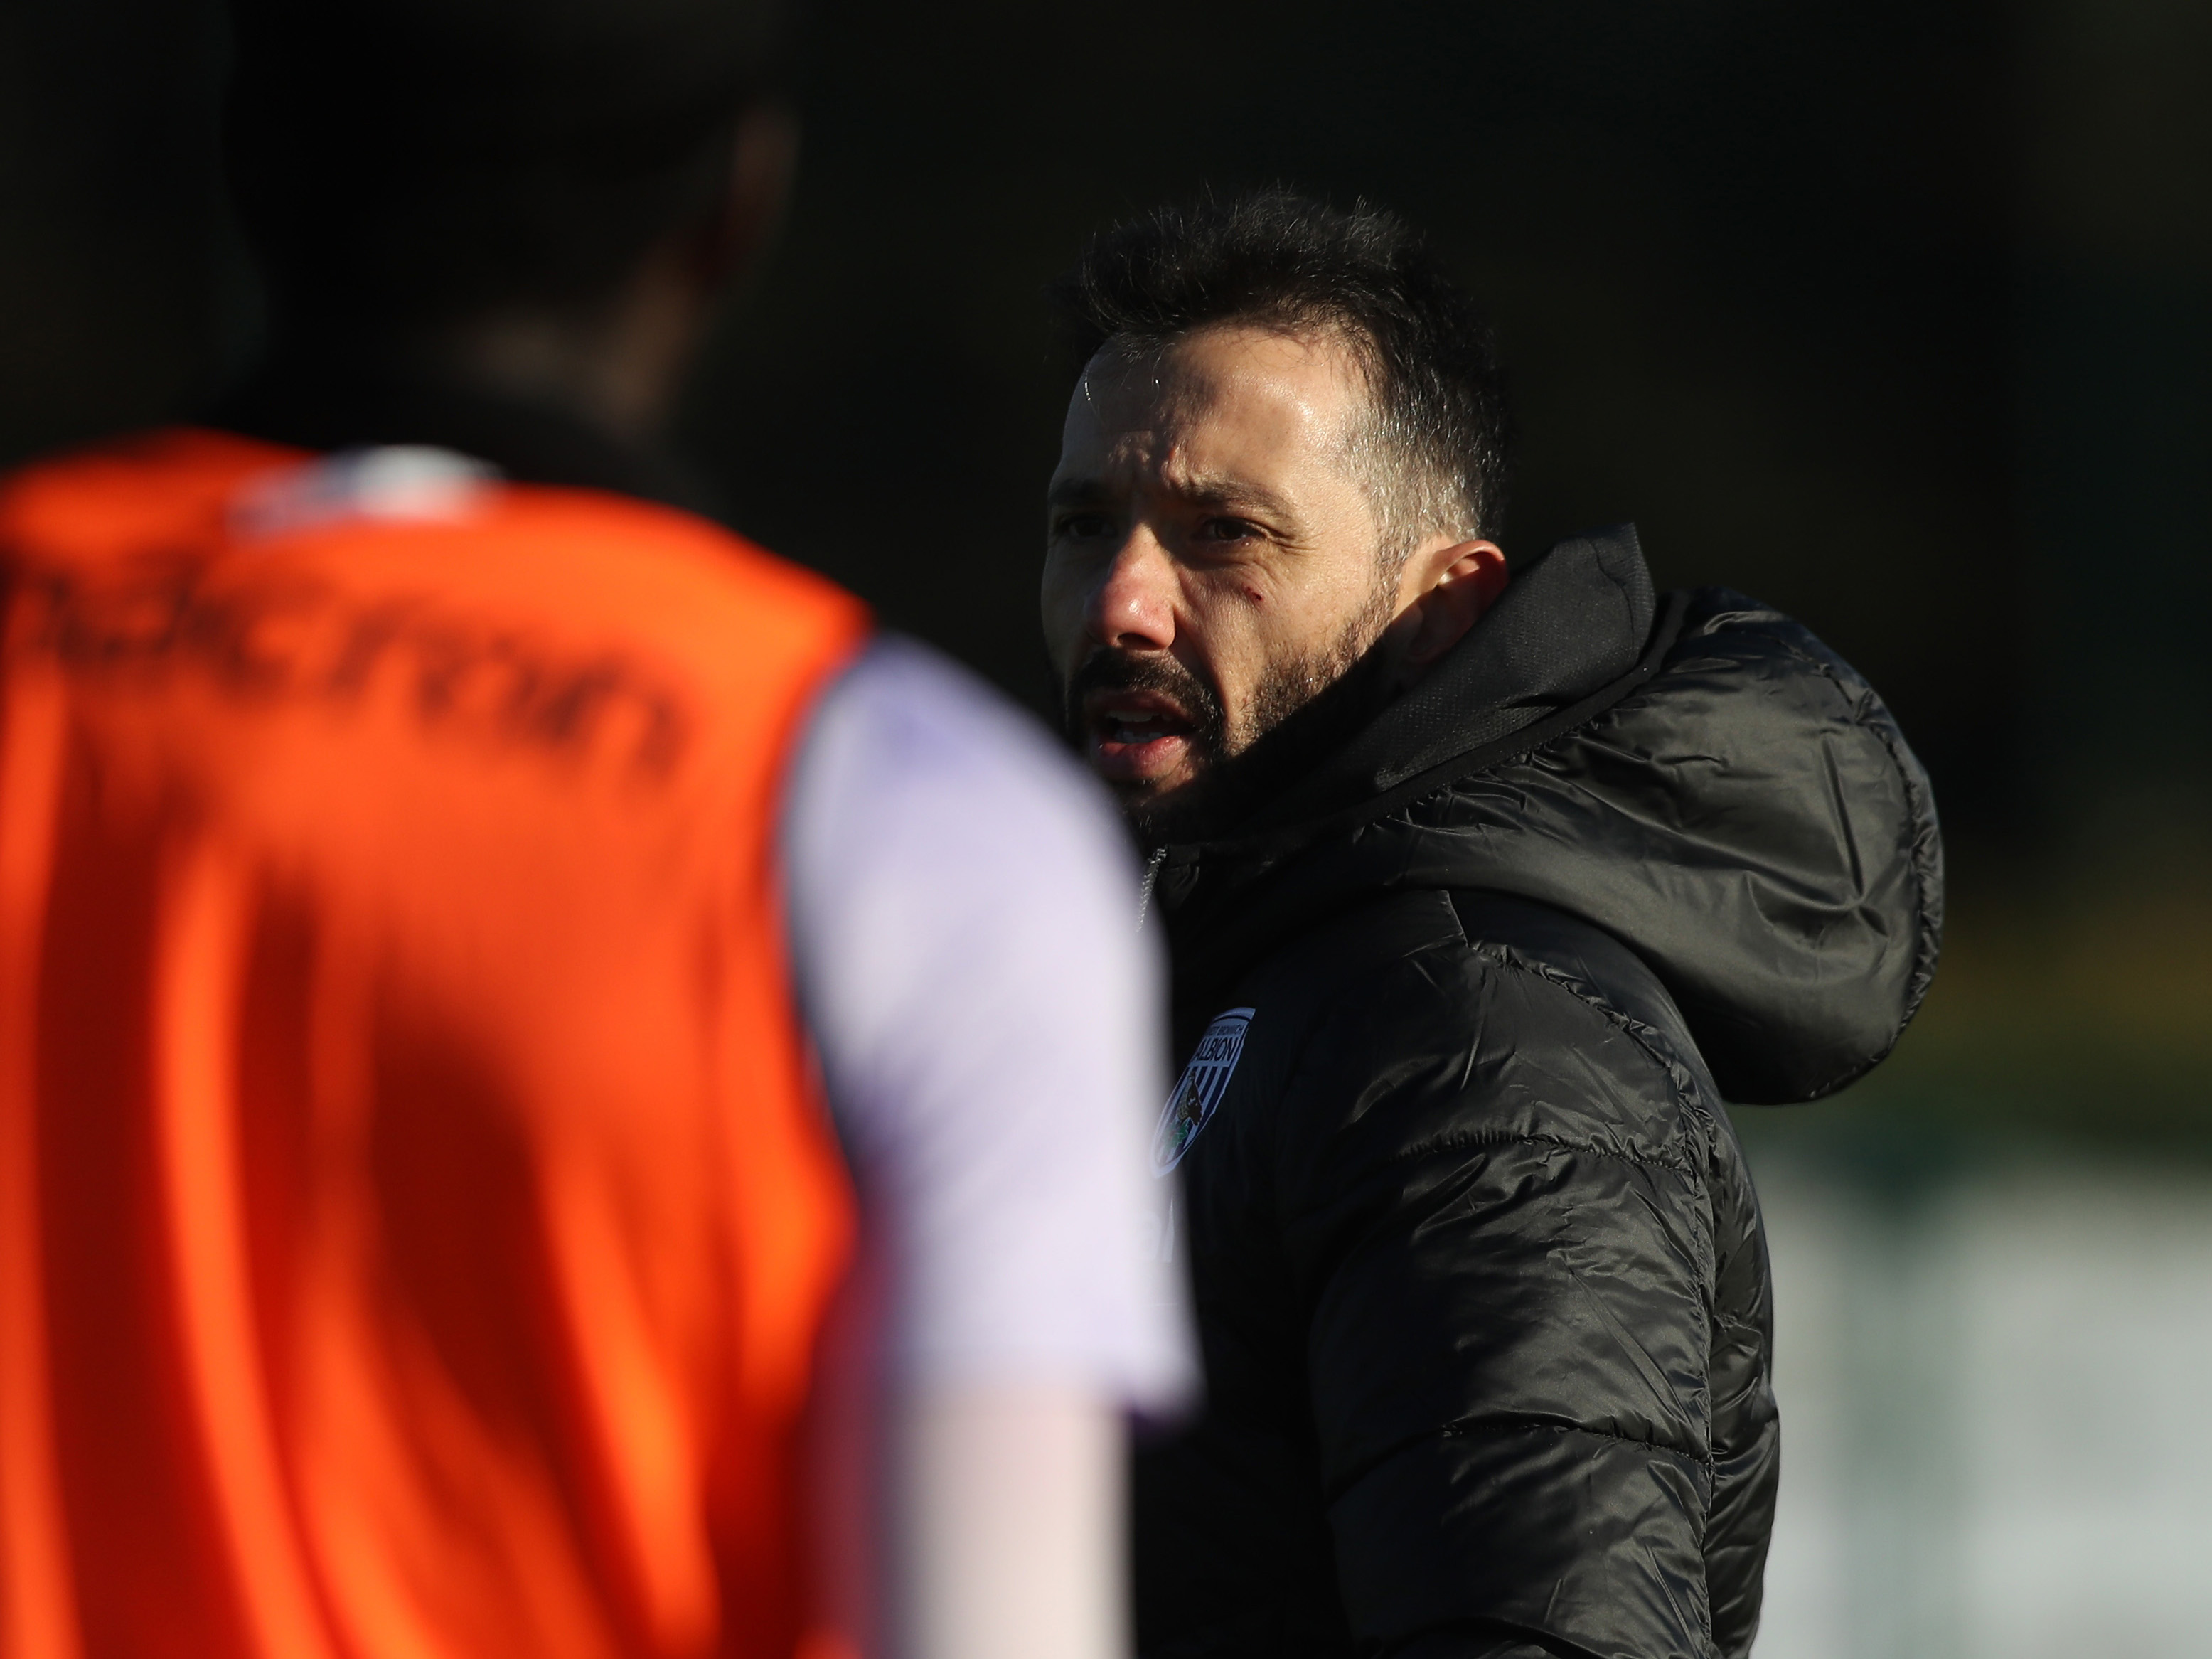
[[1159, 856]]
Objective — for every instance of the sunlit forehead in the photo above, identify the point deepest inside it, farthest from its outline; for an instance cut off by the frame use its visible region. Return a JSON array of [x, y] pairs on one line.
[[1231, 415]]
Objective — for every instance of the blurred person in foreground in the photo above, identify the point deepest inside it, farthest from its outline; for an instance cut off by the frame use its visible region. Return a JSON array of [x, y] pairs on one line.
[[1484, 889], [433, 865]]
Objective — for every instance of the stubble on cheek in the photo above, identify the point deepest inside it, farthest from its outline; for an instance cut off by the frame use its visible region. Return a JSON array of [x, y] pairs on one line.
[[1240, 755], [1294, 682]]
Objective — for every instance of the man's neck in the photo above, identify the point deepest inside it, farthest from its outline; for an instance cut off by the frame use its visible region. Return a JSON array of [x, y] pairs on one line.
[[558, 363], [315, 392]]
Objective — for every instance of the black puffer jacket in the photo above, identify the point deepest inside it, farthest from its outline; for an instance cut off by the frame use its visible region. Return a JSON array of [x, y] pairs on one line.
[[1478, 1269]]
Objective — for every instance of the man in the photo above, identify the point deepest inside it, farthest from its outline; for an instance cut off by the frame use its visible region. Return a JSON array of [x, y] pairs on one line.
[[1484, 889], [418, 843]]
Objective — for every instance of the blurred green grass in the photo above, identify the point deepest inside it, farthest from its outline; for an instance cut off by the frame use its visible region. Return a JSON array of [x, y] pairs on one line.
[[2073, 1005]]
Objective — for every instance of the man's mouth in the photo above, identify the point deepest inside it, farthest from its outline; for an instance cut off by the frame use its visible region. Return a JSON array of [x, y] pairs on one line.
[[1136, 736]]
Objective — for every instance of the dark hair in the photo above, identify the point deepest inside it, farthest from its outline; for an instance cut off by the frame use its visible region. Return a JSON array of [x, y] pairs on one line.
[[422, 161], [1282, 260]]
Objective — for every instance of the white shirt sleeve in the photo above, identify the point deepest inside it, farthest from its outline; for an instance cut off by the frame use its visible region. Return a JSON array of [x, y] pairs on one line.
[[963, 910]]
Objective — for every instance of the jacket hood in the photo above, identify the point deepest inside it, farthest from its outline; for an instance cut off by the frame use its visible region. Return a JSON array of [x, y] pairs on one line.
[[1693, 773]]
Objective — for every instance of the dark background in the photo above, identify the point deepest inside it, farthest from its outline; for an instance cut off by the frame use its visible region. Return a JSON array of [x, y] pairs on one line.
[[1896, 315]]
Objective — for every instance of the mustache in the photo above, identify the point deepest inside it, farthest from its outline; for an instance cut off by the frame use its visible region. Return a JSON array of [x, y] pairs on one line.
[[1109, 670]]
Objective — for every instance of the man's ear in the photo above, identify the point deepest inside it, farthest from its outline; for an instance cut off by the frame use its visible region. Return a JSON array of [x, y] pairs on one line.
[[1452, 586], [763, 158]]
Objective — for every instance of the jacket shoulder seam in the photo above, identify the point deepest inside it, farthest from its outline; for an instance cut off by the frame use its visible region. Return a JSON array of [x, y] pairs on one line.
[[1474, 1138], [1649, 1042], [1677, 1163], [1465, 1429], [1470, 1428]]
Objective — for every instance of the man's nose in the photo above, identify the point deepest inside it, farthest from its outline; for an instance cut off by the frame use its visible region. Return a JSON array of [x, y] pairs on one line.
[[1133, 607]]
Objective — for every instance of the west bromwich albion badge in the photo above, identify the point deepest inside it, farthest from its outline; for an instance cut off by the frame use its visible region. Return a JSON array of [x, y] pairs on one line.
[[1198, 1092]]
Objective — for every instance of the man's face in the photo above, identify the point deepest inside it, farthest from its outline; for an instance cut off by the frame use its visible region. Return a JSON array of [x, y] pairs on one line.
[[1213, 560]]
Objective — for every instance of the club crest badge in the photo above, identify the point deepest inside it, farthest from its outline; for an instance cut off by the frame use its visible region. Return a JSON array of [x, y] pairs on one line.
[[1199, 1090]]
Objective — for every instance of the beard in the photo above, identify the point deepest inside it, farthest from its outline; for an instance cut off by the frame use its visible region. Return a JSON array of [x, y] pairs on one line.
[[1302, 710]]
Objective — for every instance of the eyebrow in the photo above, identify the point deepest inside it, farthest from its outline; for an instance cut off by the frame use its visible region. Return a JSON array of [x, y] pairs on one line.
[[1074, 492], [1206, 491], [1211, 489]]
